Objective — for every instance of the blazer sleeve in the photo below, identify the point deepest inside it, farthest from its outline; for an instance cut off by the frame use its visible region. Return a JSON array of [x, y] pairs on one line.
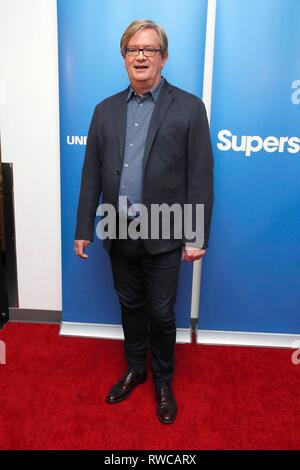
[[199, 169], [91, 178]]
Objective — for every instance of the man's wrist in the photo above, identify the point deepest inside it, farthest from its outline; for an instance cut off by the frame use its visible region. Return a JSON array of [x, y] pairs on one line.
[[193, 247]]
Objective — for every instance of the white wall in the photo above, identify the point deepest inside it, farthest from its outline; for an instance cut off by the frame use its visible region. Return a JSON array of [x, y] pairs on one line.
[[29, 125]]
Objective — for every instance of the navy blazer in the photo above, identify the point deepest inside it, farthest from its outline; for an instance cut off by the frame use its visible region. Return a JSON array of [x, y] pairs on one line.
[[177, 166]]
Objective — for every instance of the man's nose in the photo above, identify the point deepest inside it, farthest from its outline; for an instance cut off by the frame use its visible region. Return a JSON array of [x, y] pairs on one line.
[[141, 55]]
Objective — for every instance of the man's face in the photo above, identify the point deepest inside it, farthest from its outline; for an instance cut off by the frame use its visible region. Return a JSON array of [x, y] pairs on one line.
[[144, 71]]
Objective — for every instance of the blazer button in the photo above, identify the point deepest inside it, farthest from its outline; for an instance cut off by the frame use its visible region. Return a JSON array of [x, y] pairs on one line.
[[118, 172]]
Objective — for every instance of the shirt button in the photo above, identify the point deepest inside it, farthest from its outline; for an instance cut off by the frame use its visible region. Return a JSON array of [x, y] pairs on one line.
[[130, 145], [141, 104], [136, 124], [126, 165], [123, 186]]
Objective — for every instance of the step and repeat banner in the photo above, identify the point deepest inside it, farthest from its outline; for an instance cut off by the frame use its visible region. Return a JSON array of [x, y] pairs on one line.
[[251, 275], [91, 68]]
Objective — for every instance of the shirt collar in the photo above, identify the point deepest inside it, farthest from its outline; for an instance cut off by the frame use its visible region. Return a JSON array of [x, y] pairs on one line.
[[154, 92]]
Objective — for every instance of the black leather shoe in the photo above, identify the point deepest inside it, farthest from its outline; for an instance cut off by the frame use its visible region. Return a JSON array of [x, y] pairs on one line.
[[166, 410], [124, 387]]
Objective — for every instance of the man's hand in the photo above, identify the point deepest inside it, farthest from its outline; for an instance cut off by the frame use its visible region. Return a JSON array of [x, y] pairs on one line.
[[190, 253], [79, 247]]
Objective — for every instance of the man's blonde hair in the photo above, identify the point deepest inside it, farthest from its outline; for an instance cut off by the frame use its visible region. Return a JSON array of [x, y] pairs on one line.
[[138, 25]]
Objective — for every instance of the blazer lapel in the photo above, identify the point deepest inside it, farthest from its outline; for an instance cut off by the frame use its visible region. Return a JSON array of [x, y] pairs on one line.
[[164, 100], [121, 119]]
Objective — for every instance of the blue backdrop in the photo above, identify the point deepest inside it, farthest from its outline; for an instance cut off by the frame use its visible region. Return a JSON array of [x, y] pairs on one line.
[[90, 69], [251, 277]]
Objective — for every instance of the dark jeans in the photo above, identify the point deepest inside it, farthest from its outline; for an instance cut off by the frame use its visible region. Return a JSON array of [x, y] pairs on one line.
[[146, 285]]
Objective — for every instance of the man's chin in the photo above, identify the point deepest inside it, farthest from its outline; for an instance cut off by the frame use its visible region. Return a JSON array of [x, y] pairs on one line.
[[141, 77]]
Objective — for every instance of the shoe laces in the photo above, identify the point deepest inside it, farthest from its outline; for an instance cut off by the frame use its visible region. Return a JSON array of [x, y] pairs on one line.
[[164, 394], [127, 377]]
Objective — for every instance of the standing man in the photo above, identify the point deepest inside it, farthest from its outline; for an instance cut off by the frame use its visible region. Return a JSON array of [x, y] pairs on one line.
[[151, 144]]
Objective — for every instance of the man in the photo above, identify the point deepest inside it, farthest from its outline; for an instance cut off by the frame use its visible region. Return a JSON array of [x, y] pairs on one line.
[[151, 144]]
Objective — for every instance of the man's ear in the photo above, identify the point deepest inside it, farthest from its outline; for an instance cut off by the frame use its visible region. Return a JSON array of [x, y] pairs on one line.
[[165, 58]]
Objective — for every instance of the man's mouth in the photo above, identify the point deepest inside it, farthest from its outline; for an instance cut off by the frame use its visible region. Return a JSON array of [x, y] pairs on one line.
[[140, 67]]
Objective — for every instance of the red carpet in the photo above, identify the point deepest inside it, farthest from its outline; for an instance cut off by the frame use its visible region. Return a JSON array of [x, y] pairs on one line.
[[53, 396]]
